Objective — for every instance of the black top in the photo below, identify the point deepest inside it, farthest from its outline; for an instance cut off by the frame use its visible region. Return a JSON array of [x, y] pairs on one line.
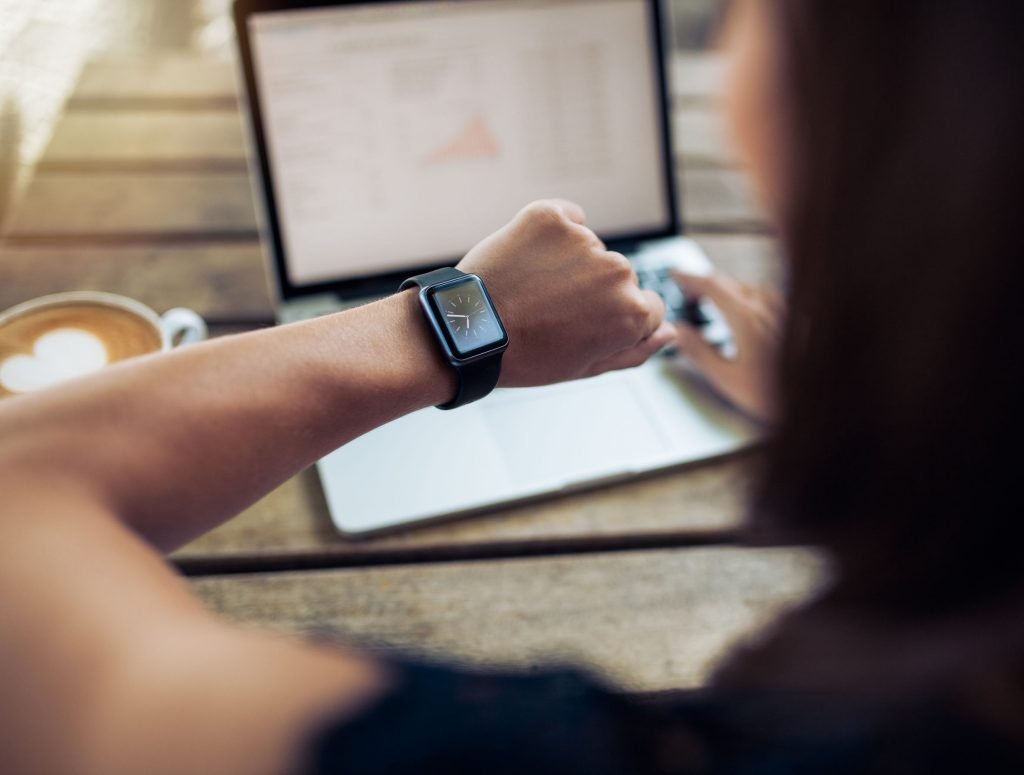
[[453, 721]]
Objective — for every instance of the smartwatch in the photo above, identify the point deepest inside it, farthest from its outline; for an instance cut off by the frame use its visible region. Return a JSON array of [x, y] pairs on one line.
[[468, 329]]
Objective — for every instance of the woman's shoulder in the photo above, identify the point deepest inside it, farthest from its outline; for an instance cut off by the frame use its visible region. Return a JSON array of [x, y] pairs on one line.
[[453, 720]]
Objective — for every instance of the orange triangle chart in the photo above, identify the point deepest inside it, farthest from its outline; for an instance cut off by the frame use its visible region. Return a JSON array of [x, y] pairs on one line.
[[475, 141]]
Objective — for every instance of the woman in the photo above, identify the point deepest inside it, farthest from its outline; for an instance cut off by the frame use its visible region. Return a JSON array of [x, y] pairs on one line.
[[883, 138]]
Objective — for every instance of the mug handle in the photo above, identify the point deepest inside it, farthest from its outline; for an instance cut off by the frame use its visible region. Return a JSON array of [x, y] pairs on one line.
[[182, 326]]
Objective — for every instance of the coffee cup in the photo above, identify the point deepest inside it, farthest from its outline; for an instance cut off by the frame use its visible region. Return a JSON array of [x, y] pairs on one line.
[[52, 339]]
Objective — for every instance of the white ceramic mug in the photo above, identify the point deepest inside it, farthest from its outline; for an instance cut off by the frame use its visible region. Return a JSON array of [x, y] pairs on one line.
[[174, 328]]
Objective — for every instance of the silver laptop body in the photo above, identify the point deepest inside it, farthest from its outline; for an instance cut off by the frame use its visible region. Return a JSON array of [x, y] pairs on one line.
[[389, 137]]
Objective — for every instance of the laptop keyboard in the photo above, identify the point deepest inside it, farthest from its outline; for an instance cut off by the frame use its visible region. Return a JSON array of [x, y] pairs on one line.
[[699, 313]]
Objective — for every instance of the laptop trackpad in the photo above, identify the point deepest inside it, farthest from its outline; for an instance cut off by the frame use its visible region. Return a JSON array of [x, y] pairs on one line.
[[515, 443], [573, 433]]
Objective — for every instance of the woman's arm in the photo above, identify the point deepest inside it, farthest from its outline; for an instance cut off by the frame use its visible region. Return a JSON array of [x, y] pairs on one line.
[[176, 443], [107, 662]]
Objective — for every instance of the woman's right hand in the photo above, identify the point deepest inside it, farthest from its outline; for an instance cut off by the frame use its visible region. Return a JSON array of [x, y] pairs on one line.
[[572, 308], [755, 317]]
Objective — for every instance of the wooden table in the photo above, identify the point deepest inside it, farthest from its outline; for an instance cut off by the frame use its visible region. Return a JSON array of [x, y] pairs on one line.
[[144, 191]]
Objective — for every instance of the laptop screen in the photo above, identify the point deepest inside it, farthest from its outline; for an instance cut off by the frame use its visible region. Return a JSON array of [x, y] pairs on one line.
[[398, 135]]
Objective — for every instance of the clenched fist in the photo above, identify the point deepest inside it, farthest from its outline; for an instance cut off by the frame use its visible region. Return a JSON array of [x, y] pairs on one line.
[[571, 307]]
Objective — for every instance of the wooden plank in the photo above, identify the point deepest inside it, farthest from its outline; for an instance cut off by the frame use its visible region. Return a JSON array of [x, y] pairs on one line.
[[219, 281], [152, 81], [648, 620], [168, 205], [104, 140], [135, 204]]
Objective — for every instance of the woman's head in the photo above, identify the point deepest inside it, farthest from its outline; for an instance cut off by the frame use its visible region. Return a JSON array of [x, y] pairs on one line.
[[886, 141]]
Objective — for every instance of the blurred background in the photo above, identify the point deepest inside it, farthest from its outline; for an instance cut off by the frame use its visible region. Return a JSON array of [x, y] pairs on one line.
[[44, 43]]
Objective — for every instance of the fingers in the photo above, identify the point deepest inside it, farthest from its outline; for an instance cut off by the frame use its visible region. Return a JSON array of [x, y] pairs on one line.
[[569, 209], [655, 312], [726, 292], [639, 354], [703, 355], [573, 211], [575, 214], [664, 335], [774, 300], [561, 215]]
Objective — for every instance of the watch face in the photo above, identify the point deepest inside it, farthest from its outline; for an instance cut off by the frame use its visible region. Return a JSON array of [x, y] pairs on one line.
[[468, 317]]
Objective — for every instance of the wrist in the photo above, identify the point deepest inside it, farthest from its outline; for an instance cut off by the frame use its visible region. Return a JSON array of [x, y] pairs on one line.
[[424, 374], [466, 327]]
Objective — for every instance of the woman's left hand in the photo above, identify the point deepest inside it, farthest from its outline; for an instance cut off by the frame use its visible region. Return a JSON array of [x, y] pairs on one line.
[[755, 317]]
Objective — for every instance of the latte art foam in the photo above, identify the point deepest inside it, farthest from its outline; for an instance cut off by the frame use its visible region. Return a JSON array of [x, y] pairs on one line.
[[49, 345]]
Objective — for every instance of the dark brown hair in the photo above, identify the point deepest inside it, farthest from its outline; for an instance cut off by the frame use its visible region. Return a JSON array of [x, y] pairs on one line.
[[902, 371]]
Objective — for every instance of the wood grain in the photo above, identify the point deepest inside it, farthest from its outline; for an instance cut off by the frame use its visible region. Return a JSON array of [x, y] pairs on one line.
[[98, 140], [134, 204], [154, 82], [219, 281], [648, 620]]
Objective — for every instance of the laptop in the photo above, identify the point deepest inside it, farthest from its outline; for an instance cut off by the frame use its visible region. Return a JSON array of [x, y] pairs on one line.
[[388, 138]]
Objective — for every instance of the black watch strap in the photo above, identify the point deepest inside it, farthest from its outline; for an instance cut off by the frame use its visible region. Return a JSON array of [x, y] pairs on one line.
[[475, 380], [442, 275]]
